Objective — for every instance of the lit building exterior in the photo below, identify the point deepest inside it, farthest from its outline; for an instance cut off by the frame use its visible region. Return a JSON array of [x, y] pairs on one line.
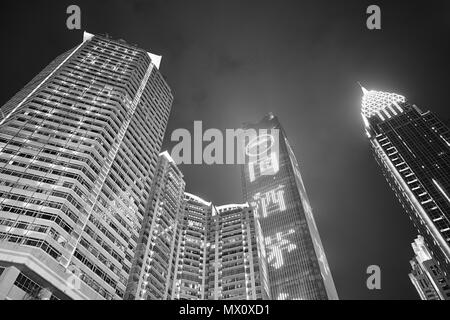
[[192, 256], [237, 266], [413, 149], [190, 250], [78, 149], [153, 269], [272, 184], [426, 276]]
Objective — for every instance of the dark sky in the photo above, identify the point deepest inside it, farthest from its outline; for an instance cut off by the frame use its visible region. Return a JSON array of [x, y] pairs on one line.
[[233, 61]]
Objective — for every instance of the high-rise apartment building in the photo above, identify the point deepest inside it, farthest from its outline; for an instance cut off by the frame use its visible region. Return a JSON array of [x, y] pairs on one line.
[[237, 265], [221, 253], [412, 148], [153, 269], [426, 276], [192, 256], [272, 184], [79, 146], [189, 249]]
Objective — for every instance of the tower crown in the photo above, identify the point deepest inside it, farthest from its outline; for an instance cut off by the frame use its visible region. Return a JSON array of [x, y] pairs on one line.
[[374, 102]]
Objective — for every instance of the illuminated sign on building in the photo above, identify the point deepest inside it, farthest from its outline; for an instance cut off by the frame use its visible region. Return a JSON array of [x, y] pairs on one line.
[[273, 186], [267, 166], [260, 145], [272, 200], [277, 245], [262, 152]]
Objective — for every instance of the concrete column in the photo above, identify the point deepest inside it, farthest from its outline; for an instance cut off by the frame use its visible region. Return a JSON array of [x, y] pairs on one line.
[[7, 280]]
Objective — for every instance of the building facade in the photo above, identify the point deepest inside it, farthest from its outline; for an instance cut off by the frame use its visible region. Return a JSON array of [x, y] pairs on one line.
[[237, 265], [79, 146], [192, 256], [272, 184], [412, 148], [189, 249], [153, 269], [426, 275]]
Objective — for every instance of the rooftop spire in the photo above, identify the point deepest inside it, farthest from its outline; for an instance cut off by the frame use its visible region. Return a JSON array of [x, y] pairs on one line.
[[364, 90]]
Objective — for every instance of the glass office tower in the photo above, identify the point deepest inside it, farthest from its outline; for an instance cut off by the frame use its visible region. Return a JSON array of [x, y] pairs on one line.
[[78, 149], [412, 148], [272, 184]]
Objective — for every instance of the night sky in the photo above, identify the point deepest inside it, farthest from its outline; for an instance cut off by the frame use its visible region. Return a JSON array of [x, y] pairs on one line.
[[228, 62]]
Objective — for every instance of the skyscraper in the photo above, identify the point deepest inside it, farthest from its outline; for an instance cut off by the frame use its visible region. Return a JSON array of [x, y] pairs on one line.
[[78, 150], [154, 263], [426, 276], [221, 253], [191, 281], [272, 184], [189, 249], [237, 266], [412, 148]]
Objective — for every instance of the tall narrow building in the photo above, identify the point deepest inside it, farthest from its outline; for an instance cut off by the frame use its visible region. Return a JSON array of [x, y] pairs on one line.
[[154, 262], [78, 149], [272, 184], [412, 148], [192, 257], [237, 261]]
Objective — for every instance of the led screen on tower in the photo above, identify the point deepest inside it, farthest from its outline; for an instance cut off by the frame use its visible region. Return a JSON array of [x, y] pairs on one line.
[[272, 184]]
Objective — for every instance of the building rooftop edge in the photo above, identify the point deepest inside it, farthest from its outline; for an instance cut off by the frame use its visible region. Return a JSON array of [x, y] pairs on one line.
[[156, 59], [197, 198], [232, 205]]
